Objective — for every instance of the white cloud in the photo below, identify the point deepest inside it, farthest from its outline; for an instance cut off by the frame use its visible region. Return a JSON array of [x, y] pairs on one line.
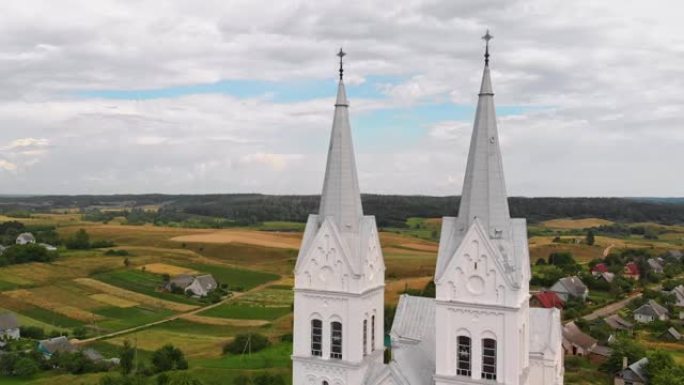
[[7, 166], [605, 81]]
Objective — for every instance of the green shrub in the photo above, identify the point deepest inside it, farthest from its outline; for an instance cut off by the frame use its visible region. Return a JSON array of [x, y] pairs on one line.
[[247, 343]]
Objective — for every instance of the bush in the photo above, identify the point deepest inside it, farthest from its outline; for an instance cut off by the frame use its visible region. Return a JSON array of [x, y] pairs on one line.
[[25, 367], [102, 244], [79, 241], [167, 358], [26, 253], [244, 343], [32, 332]]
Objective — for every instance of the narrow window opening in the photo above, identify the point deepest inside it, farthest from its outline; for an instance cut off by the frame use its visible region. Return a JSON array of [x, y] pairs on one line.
[[336, 340], [365, 337], [372, 333], [489, 359], [316, 337], [463, 364]]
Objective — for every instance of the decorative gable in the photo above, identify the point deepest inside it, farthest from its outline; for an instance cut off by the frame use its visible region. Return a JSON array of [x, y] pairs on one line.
[[477, 271], [325, 264]]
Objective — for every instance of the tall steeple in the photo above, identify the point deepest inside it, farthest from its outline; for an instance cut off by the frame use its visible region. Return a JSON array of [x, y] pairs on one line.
[[341, 198], [484, 189]]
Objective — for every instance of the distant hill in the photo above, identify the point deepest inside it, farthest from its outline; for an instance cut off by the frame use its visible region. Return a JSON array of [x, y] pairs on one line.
[[390, 210]]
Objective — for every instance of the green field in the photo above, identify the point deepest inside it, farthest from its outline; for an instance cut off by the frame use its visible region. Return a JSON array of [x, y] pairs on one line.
[[143, 283], [233, 277], [247, 312], [123, 318]]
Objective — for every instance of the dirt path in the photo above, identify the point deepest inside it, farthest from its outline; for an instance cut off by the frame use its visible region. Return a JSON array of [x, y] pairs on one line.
[[175, 316], [606, 251], [610, 308]]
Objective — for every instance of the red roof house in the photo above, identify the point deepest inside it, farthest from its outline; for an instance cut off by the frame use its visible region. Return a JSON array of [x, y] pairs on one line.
[[599, 269], [546, 299], [631, 270]]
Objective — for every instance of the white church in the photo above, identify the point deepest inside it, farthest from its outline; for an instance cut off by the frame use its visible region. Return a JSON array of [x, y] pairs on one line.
[[478, 330]]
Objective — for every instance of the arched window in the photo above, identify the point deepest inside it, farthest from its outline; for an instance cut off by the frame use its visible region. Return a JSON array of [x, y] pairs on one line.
[[372, 333], [489, 359], [316, 337], [325, 382], [464, 349], [336, 340], [365, 337]]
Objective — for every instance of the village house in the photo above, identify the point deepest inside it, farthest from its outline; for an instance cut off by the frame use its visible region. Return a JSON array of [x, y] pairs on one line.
[[2, 249], [199, 286], [599, 269], [679, 304], [25, 239], [634, 374], [650, 312], [53, 345], [570, 287], [576, 342], [202, 285], [607, 276], [631, 271], [547, 300], [655, 265], [9, 327], [671, 334], [616, 322]]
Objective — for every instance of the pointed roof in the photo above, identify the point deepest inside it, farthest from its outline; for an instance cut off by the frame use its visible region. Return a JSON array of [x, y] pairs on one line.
[[484, 189], [341, 197]]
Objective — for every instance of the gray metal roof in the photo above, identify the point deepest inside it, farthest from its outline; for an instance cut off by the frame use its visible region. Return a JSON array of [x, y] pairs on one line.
[[652, 308], [572, 285], [341, 197], [636, 371], [57, 344], [26, 238], [181, 281], [573, 334], [8, 321], [413, 341], [618, 323], [207, 282], [484, 188]]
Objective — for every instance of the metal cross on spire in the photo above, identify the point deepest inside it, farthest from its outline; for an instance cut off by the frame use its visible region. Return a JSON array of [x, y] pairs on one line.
[[341, 54], [487, 37]]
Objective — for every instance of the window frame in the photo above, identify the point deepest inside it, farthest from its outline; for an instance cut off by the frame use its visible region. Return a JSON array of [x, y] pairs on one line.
[[336, 340], [316, 338], [464, 356], [489, 359]]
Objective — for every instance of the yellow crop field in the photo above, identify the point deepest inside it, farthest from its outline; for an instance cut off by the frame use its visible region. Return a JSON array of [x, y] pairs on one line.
[[223, 321], [258, 238], [112, 300], [569, 223], [193, 345], [163, 268], [394, 288], [133, 296], [73, 312]]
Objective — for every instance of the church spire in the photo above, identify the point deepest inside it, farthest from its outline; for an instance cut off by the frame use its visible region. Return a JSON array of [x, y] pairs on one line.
[[341, 198], [484, 190]]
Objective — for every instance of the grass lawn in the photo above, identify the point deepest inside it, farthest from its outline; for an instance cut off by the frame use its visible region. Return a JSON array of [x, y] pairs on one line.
[[233, 277], [142, 282], [237, 311], [276, 356]]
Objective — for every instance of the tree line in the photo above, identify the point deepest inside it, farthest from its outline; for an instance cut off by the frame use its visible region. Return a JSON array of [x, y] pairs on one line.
[[390, 210]]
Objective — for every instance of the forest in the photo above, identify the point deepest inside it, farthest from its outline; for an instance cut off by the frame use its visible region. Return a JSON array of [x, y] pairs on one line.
[[389, 210]]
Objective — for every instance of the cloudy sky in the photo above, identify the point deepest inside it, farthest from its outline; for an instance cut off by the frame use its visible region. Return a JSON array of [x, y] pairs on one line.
[[223, 96]]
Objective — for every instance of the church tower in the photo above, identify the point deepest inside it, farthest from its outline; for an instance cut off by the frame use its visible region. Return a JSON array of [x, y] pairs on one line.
[[482, 275], [339, 275]]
